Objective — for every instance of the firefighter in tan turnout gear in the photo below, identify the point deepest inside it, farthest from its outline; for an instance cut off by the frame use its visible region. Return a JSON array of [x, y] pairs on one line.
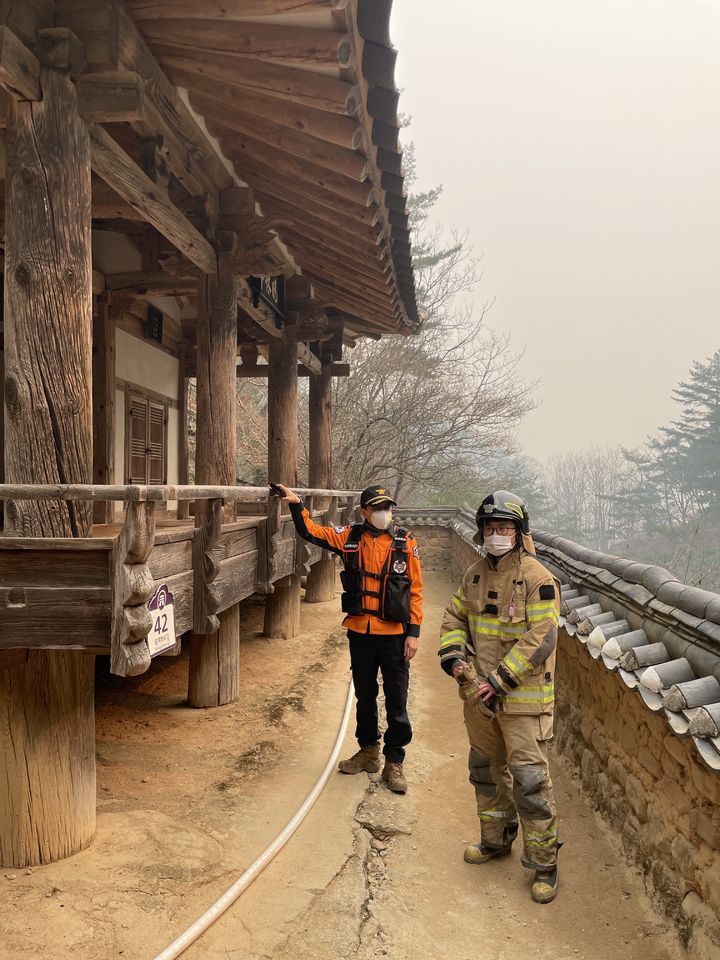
[[498, 641]]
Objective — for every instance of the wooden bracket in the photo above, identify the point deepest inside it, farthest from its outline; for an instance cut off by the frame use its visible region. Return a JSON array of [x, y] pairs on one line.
[[206, 602], [132, 587], [268, 542], [59, 49], [19, 68]]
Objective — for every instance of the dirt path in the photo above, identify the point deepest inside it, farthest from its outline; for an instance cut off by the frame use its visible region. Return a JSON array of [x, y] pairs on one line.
[[190, 798]]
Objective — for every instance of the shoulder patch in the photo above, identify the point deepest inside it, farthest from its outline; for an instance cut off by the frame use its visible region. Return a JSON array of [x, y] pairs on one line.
[[416, 554], [340, 529], [547, 592]]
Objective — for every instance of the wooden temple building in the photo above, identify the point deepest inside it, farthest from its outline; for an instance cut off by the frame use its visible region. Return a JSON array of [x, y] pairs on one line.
[[205, 189]]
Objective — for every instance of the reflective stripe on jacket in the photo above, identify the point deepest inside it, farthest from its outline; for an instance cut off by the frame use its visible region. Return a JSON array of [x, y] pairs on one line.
[[374, 550], [504, 619]]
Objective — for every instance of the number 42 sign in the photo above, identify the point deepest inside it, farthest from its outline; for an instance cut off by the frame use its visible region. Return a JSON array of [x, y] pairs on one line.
[[162, 610]]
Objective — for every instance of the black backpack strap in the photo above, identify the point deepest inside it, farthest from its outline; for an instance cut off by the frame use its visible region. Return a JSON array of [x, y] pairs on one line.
[[352, 544]]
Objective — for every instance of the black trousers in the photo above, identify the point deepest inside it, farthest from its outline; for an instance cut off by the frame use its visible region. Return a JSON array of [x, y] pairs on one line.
[[370, 653]]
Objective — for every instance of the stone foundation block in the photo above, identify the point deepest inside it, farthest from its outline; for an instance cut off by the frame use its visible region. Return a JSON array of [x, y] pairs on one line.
[[617, 771], [635, 793], [684, 852], [707, 826]]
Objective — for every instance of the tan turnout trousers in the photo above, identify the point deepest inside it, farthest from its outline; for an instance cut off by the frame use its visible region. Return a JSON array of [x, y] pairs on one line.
[[509, 770]]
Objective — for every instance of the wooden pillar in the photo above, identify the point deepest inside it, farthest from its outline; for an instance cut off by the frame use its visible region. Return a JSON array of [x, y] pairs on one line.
[[320, 584], [47, 723], [215, 658], [103, 412], [282, 608]]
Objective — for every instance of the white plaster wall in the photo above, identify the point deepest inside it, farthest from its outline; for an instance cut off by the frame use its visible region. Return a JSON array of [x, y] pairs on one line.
[[139, 362]]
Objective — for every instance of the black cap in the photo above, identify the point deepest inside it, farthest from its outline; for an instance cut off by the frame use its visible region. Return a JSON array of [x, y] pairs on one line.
[[372, 495]]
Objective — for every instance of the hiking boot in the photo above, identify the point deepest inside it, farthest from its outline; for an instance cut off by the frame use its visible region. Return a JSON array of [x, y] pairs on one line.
[[366, 760], [393, 776], [545, 884], [481, 853]]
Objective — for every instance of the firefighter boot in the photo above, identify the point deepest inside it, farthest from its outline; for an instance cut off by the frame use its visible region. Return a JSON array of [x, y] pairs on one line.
[[482, 852], [394, 777], [545, 884], [366, 760]]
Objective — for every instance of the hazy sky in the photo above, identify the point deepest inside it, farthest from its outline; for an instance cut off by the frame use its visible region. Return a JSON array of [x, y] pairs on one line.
[[579, 140]]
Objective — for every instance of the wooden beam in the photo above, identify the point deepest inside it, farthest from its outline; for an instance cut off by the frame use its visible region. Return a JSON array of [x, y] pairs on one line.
[[126, 178], [308, 359], [111, 97], [25, 19], [260, 371], [107, 205], [19, 68], [305, 87], [113, 43], [266, 41], [227, 9], [261, 138], [329, 127], [146, 285], [255, 314]]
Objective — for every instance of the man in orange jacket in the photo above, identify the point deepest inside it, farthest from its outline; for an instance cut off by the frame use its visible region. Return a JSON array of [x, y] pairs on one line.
[[382, 601]]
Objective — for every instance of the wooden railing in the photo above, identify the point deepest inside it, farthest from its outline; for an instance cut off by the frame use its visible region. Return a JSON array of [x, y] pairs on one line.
[[94, 593]]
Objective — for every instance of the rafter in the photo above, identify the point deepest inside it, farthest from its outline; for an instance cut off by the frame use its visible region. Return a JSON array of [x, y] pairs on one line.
[[261, 137], [124, 176], [250, 154], [265, 41], [227, 9], [287, 83], [340, 130]]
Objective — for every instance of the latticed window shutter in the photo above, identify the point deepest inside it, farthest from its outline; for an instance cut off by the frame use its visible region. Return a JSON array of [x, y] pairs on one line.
[[138, 440], [147, 440], [156, 446]]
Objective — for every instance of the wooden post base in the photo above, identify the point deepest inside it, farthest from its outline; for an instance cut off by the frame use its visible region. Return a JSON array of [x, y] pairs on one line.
[[47, 755], [215, 663], [282, 609], [320, 585]]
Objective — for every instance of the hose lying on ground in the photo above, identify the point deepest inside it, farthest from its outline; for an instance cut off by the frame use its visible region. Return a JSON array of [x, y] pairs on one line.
[[196, 930]]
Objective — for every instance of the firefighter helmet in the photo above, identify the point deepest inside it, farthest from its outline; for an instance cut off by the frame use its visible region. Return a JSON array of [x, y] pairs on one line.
[[503, 505]]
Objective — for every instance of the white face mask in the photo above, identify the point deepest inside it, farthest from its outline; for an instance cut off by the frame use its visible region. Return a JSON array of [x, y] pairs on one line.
[[498, 546], [381, 519]]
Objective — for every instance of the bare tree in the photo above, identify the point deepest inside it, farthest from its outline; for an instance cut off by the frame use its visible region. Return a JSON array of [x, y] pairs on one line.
[[420, 412]]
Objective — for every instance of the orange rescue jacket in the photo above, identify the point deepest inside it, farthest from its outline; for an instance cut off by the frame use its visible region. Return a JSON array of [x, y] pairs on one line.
[[374, 550]]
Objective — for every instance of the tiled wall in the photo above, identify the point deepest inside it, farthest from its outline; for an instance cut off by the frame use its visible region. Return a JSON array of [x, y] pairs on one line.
[[661, 801]]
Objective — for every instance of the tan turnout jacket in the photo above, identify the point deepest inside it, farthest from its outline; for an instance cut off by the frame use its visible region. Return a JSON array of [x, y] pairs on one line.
[[503, 619]]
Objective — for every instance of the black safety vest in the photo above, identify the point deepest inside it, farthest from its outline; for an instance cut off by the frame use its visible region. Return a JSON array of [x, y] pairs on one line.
[[393, 583]]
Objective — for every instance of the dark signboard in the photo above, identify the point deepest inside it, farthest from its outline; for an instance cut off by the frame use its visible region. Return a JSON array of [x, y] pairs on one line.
[[270, 292]]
